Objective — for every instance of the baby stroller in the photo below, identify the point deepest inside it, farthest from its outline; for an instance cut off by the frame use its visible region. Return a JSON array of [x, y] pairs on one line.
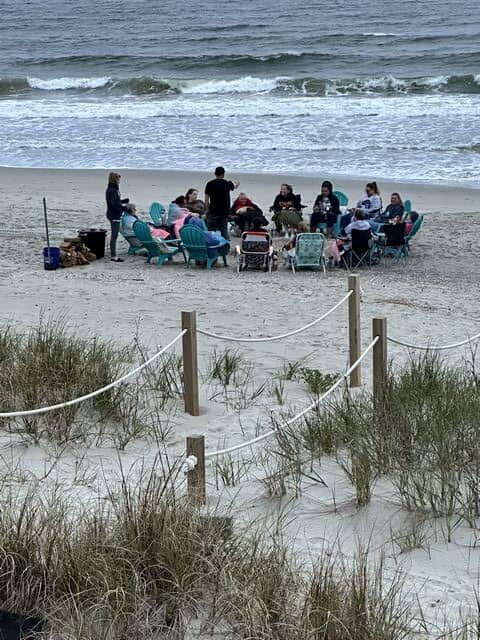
[[255, 251]]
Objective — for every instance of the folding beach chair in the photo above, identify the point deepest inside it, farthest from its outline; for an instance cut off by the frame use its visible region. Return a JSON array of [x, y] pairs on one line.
[[309, 252], [162, 250], [393, 242], [195, 244], [255, 251], [361, 251], [413, 231]]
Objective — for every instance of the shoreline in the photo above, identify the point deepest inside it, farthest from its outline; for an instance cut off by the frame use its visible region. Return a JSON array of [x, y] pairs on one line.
[[335, 177], [84, 189]]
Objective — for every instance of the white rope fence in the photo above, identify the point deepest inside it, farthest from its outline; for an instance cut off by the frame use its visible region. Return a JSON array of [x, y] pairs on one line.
[[444, 347], [314, 405], [92, 394], [283, 335]]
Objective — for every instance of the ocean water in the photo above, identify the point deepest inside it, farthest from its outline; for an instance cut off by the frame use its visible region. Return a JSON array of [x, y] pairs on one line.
[[379, 87]]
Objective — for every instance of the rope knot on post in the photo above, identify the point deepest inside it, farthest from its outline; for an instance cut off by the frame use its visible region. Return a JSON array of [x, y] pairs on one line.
[[189, 464]]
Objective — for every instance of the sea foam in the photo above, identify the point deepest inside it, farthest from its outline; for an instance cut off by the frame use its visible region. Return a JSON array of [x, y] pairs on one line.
[[246, 84], [59, 84]]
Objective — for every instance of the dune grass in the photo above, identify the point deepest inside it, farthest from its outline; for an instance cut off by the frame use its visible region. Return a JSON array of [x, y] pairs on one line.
[[49, 365], [424, 435], [147, 564]]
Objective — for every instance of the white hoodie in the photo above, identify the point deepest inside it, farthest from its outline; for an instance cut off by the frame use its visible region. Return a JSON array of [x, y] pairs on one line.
[[361, 225], [370, 204]]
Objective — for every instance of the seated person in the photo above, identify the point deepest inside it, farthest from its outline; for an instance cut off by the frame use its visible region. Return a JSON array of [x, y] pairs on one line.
[[212, 240], [176, 210], [412, 218], [288, 249], [358, 222], [260, 223], [192, 202], [287, 208], [394, 209], [243, 211], [345, 244], [370, 205], [325, 209], [129, 217]]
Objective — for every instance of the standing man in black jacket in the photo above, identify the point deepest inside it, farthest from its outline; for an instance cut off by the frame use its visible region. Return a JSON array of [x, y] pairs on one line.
[[115, 208], [217, 202]]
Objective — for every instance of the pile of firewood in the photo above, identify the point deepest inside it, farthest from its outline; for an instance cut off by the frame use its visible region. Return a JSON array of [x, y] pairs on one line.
[[73, 252]]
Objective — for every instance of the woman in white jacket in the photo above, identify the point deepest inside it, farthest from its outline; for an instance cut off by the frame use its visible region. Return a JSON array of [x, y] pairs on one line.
[[371, 203]]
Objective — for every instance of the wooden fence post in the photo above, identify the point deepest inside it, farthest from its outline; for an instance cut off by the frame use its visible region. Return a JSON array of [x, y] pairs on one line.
[[380, 358], [354, 328], [196, 487], [190, 366]]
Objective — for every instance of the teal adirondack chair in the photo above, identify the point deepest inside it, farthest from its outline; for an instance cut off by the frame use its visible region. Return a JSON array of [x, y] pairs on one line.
[[342, 198], [415, 229], [157, 213], [309, 249], [163, 250], [134, 244], [193, 240]]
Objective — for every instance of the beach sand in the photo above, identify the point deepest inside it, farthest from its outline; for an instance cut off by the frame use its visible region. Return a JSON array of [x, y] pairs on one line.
[[434, 298]]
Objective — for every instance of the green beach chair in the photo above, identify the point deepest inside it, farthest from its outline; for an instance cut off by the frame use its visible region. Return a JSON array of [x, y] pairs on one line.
[[194, 242], [415, 229], [342, 198], [309, 252], [134, 245], [407, 208], [394, 242], [157, 214], [163, 250]]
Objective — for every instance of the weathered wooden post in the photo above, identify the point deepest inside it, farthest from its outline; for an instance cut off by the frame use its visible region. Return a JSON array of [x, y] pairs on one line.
[[354, 329], [380, 358], [190, 363]]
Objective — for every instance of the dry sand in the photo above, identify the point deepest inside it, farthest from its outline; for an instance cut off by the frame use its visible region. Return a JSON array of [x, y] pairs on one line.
[[435, 297]]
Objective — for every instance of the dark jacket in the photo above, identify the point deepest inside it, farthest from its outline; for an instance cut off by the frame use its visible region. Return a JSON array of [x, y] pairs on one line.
[[392, 211], [115, 206], [334, 203], [281, 200]]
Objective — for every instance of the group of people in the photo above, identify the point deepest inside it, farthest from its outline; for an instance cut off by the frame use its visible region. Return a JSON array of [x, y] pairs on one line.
[[214, 213]]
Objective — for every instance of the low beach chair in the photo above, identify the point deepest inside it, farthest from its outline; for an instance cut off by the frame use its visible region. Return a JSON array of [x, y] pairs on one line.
[[393, 241], [157, 214], [255, 251], [407, 208], [413, 232], [342, 198], [362, 250], [162, 250], [309, 252], [194, 242]]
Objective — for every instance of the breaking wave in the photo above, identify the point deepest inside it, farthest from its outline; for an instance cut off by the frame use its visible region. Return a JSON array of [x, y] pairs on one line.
[[248, 84]]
